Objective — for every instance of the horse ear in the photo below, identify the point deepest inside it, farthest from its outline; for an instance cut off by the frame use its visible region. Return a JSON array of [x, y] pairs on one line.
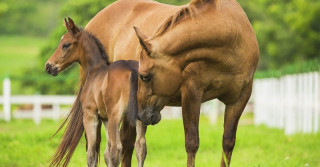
[[71, 27], [143, 40], [66, 24]]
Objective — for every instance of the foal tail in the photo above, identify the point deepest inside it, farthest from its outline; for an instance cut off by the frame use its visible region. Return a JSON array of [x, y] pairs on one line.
[[71, 136], [133, 103]]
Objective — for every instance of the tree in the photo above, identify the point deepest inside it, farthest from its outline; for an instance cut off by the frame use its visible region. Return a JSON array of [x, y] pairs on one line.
[[287, 31]]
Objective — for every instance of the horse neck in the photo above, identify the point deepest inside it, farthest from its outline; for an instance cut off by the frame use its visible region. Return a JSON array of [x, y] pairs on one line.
[[90, 58]]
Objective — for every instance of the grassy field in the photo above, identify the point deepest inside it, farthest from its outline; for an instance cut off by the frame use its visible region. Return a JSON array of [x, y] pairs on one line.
[[24, 144], [18, 52]]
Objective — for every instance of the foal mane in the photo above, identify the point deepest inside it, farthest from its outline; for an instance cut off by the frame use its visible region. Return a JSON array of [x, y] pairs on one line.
[[186, 12], [102, 51]]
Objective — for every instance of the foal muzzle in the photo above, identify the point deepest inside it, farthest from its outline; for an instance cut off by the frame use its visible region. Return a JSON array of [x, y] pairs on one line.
[[50, 69]]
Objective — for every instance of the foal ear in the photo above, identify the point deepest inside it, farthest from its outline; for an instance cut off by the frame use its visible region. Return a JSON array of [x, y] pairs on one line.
[[66, 24], [71, 27], [143, 40]]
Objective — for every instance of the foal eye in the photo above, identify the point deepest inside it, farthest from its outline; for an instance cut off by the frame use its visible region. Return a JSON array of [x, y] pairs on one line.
[[145, 78], [66, 45]]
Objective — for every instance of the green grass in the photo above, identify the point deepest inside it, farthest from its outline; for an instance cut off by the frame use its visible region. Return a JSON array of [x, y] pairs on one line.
[[18, 53], [22, 143]]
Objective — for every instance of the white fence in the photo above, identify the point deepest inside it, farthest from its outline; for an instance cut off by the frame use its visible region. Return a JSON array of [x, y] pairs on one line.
[[36, 101], [290, 102], [211, 108]]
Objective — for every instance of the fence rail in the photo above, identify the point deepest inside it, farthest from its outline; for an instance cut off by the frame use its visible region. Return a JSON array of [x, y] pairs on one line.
[[211, 108], [37, 101], [290, 102]]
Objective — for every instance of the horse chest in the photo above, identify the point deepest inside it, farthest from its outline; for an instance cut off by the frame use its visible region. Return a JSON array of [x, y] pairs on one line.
[[213, 82]]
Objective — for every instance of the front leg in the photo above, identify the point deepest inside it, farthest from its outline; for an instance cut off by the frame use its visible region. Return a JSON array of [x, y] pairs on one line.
[[191, 102], [141, 146]]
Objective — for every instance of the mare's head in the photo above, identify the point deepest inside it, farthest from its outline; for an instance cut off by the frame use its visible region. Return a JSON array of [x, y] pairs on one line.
[[160, 79], [67, 51]]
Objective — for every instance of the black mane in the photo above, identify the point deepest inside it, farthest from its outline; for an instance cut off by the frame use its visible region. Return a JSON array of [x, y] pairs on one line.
[[102, 51]]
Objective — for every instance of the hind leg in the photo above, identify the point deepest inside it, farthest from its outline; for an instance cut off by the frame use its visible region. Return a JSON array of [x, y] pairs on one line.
[[106, 151], [231, 119], [91, 124], [128, 138], [141, 147]]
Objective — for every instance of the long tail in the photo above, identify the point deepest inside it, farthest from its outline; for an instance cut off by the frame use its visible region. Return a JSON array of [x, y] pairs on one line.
[[71, 136], [133, 103]]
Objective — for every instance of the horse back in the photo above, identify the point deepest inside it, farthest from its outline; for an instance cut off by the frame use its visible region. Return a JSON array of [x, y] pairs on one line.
[[114, 25]]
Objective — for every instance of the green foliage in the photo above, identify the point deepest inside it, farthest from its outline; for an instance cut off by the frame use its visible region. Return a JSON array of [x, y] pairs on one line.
[[82, 11], [32, 17], [287, 31], [295, 68], [25, 144]]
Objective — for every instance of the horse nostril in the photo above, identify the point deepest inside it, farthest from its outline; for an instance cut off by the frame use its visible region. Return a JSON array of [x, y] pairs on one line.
[[153, 118], [48, 67]]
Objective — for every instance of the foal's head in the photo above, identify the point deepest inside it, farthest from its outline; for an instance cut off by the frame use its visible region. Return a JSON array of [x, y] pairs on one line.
[[68, 50]]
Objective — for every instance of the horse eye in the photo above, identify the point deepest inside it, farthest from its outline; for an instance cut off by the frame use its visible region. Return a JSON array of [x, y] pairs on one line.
[[66, 45], [145, 78]]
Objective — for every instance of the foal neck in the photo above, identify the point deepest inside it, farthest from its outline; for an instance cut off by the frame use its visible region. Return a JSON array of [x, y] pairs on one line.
[[93, 56]]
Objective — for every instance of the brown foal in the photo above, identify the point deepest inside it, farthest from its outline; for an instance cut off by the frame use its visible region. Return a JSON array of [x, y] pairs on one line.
[[108, 94]]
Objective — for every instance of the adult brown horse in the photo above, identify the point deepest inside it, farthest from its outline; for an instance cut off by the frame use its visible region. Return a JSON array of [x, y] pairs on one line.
[[108, 94], [197, 52]]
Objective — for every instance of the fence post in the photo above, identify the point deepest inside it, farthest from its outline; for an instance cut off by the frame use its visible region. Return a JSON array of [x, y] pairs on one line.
[[316, 101], [56, 111], [289, 127], [214, 113], [256, 102], [37, 109], [7, 99]]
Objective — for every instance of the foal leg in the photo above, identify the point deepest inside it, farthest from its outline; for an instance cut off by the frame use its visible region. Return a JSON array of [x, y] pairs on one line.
[[141, 147], [114, 142], [191, 102], [128, 138], [106, 151], [231, 119], [91, 123]]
